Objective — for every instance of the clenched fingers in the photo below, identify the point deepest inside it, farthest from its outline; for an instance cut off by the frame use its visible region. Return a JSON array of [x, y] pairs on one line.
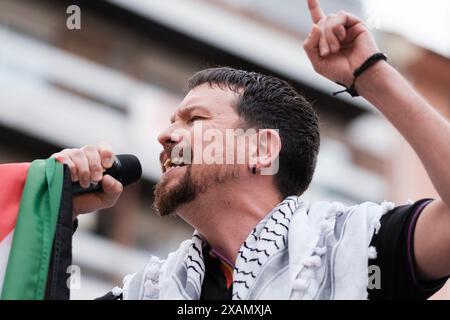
[[88, 163]]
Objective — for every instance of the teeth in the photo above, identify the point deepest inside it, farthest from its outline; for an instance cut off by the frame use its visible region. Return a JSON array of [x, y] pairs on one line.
[[167, 163], [177, 161], [171, 163]]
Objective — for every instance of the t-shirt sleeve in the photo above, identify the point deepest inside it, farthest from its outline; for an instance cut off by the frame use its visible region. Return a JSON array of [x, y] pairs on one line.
[[394, 243]]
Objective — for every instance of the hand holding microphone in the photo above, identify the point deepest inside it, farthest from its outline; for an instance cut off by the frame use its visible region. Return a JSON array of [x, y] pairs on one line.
[[98, 176]]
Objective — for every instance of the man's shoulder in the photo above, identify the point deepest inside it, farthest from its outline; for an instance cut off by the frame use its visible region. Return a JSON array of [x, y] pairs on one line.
[[339, 209]]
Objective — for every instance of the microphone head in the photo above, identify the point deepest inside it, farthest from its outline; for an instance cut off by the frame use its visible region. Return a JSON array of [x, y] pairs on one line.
[[129, 168]]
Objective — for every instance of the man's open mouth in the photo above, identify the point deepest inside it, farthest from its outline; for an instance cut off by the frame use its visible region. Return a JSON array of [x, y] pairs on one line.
[[169, 164]]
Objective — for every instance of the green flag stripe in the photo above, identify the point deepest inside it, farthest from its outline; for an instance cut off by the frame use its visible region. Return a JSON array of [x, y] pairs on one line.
[[27, 270]]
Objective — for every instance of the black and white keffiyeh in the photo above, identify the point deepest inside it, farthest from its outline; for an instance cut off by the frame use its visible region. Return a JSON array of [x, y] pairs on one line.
[[298, 251]]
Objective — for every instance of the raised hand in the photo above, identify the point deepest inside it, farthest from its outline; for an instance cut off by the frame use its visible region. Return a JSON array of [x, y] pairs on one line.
[[87, 165], [338, 44]]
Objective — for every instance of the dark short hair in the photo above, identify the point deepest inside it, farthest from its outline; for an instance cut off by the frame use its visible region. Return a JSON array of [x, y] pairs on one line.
[[266, 102]]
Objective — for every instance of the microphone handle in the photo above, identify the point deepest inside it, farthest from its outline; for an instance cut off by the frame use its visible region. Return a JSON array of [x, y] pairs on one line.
[[77, 189]]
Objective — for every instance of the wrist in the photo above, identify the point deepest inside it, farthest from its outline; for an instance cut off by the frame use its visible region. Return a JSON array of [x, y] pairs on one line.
[[373, 78], [367, 67]]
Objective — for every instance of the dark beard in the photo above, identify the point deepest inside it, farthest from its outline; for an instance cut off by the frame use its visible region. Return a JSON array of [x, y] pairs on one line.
[[166, 201]]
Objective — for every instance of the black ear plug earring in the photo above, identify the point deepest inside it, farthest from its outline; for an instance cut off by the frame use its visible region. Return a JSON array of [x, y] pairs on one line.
[[254, 169]]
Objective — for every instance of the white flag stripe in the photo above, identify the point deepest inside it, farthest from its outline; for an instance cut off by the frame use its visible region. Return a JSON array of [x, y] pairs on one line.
[[5, 247]]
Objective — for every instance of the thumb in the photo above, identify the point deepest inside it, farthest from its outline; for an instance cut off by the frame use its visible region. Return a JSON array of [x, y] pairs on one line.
[[311, 45], [92, 201], [111, 190]]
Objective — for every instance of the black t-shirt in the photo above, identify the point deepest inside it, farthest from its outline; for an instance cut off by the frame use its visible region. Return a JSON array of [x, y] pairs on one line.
[[395, 258], [395, 247]]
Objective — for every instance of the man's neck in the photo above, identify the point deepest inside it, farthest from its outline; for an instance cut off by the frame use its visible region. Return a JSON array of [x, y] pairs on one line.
[[226, 215]]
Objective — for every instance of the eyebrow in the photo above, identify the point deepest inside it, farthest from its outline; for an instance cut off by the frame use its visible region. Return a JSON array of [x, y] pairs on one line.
[[189, 110]]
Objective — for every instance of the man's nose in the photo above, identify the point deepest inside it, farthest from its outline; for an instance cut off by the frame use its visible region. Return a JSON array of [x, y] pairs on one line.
[[169, 136]]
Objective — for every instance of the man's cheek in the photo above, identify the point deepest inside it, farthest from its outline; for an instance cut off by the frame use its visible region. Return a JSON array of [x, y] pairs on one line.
[[197, 170], [195, 155]]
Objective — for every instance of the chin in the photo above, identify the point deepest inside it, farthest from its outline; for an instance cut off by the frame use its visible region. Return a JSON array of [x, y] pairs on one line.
[[174, 189]]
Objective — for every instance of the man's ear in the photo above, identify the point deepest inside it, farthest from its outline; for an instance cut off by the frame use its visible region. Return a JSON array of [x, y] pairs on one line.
[[269, 147]]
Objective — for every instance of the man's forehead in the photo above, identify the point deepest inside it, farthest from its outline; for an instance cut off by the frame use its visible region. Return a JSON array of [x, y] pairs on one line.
[[213, 98]]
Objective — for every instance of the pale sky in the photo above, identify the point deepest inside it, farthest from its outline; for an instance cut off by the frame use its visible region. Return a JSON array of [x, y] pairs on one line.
[[425, 22]]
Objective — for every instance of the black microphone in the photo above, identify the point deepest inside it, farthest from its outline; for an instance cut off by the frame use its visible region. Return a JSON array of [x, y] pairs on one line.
[[126, 169]]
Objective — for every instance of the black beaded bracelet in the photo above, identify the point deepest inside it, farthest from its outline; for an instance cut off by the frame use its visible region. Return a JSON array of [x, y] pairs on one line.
[[366, 65]]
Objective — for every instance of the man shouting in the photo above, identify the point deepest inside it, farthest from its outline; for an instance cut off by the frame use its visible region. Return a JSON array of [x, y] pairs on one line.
[[255, 238]]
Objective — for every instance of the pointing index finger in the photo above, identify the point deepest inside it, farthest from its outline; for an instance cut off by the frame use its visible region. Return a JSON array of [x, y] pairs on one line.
[[315, 10]]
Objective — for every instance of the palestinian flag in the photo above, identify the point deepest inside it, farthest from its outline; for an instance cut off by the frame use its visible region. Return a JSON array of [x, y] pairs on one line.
[[35, 230]]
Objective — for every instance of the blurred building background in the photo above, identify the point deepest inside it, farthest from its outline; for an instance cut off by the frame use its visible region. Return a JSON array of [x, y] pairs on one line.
[[120, 77]]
